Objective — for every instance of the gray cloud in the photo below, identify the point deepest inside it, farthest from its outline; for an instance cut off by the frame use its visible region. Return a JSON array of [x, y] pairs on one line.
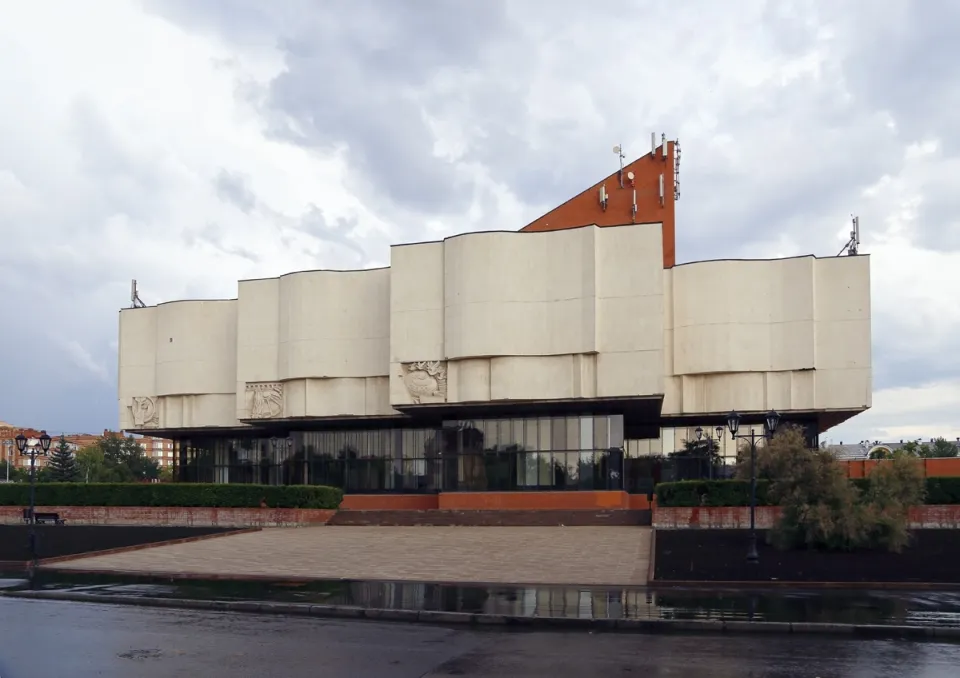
[[353, 75], [485, 114], [234, 189], [342, 233]]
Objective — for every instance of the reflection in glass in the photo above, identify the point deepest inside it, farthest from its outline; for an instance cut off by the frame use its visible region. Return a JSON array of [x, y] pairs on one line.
[[545, 453]]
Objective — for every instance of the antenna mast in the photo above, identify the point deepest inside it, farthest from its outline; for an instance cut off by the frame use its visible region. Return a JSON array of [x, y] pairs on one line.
[[135, 301], [618, 149], [853, 245]]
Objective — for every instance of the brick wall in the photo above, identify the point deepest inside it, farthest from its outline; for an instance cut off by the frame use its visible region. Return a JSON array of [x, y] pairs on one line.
[[938, 467], [176, 516], [534, 501], [497, 501]]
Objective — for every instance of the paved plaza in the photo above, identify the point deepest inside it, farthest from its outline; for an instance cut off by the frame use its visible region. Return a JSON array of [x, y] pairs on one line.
[[617, 556]]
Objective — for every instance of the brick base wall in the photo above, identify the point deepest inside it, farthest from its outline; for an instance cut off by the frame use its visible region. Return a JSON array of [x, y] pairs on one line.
[[176, 516], [600, 500], [738, 517], [501, 518]]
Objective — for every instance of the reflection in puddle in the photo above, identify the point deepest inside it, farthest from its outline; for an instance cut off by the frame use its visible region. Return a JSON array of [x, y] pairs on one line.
[[851, 607]]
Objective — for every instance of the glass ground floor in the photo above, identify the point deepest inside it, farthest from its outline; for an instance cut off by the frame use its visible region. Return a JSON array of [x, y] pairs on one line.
[[571, 452], [557, 453]]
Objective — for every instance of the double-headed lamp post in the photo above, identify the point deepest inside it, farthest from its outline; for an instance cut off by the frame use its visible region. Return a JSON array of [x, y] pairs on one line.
[[711, 441], [772, 420], [24, 450]]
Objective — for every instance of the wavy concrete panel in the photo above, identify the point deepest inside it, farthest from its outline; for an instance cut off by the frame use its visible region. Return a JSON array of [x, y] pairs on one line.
[[528, 316], [316, 343], [584, 314], [178, 365], [786, 334]]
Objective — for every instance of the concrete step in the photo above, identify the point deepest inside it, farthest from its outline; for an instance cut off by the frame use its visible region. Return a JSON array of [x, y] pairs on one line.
[[504, 518]]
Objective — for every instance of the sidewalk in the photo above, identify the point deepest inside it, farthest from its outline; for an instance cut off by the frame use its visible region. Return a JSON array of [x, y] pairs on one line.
[[615, 556]]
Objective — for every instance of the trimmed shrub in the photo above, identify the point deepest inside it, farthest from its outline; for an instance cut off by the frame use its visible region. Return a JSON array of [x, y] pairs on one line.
[[943, 490], [710, 493], [173, 494]]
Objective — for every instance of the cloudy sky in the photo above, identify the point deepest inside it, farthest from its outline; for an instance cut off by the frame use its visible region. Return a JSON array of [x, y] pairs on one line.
[[189, 143]]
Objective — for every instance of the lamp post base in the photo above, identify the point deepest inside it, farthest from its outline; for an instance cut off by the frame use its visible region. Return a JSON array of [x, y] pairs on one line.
[[752, 556]]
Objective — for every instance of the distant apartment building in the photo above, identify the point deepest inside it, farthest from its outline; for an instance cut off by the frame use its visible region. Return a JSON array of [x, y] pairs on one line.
[[8, 445], [158, 449]]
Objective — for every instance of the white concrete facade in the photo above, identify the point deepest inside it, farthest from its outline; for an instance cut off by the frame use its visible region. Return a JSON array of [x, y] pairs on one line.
[[506, 317]]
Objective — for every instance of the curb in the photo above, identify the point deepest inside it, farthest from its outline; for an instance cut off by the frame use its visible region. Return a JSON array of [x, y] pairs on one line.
[[665, 626], [169, 575], [666, 584]]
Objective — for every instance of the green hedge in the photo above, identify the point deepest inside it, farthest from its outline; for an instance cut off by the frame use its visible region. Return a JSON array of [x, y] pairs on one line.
[[172, 494], [713, 493], [737, 492], [943, 491]]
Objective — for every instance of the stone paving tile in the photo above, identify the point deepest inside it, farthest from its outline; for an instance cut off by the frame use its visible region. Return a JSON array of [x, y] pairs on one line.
[[521, 555]]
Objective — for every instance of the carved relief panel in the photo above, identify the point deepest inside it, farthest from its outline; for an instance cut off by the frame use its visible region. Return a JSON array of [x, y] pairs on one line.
[[144, 410], [426, 381], [265, 400]]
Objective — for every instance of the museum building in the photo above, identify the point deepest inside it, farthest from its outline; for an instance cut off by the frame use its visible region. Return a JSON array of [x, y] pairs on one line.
[[527, 360]]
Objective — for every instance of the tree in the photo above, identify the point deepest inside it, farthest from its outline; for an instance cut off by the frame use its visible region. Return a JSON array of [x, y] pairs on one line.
[[892, 489], [942, 447], [911, 449], [92, 465], [62, 465], [696, 459], [774, 457], [116, 459], [16, 474], [125, 460], [819, 505], [821, 508]]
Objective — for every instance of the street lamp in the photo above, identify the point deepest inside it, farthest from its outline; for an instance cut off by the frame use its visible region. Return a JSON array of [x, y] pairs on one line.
[[711, 441], [771, 421], [24, 450], [280, 445]]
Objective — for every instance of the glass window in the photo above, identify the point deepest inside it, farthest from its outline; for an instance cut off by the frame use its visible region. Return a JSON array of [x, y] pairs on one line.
[[488, 454], [527, 469], [545, 469], [530, 441], [616, 430], [601, 433], [586, 433], [503, 435], [573, 433], [409, 439], [517, 433], [558, 431], [545, 429]]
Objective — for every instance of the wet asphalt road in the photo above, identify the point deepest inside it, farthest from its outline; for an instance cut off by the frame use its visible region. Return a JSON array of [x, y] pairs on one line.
[[47, 639]]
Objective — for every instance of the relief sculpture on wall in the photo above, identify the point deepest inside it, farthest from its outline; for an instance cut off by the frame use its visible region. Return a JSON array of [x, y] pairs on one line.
[[144, 409], [426, 381], [265, 400]]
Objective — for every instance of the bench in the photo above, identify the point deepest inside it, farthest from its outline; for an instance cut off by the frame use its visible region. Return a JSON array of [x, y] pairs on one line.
[[43, 518]]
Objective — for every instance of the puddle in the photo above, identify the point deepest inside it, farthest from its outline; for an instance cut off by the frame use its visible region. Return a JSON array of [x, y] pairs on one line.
[[850, 607], [13, 583]]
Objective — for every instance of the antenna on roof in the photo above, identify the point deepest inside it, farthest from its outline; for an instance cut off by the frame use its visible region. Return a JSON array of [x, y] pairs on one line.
[[853, 245], [135, 301], [618, 149], [676, 169]]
